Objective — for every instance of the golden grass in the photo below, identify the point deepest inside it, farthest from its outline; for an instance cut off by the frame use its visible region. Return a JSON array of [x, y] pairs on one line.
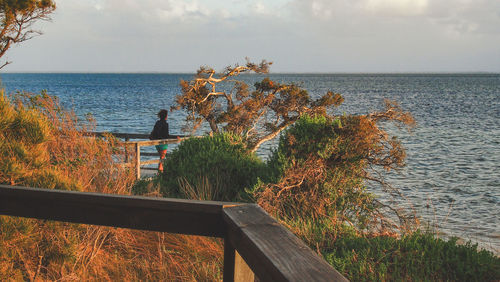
[[42, 145]]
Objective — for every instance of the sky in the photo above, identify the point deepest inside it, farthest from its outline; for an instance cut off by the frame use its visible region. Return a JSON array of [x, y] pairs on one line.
[[318, 36]]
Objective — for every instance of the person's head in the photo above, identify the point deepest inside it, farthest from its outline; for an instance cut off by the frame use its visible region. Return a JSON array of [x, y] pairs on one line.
[[163, 114]]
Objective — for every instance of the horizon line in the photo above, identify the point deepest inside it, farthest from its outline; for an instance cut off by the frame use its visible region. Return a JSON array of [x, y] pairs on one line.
[[318, 73]]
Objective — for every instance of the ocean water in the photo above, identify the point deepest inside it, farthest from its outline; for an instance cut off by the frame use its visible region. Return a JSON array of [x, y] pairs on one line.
[[452, 177]]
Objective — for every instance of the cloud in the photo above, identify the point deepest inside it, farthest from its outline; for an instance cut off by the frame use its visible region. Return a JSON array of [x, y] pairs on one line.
[[466, 16], [298, 35], [453, 17], [397, 7]]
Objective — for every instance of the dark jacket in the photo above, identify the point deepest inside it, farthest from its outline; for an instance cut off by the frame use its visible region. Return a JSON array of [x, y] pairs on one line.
[[160, 131]]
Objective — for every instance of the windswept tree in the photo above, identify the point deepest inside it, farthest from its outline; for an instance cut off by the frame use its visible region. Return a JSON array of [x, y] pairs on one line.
[[257, 114], [17, 18], [324, 161]]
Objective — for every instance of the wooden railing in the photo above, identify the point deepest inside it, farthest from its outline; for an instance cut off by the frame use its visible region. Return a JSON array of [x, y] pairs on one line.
[[256, 247], [136, 145]]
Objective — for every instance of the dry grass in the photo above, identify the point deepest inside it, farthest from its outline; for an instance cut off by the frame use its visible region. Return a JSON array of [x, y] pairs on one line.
[[42, 145]]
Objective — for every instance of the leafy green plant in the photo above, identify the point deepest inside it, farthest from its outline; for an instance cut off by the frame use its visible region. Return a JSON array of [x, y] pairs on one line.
[[221, 161], [415, 257]]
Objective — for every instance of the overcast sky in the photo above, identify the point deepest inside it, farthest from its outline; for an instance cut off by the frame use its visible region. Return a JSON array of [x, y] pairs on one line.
[[297, 35]]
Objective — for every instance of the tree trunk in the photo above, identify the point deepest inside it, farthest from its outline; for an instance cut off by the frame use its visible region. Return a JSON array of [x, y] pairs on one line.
[[270, 135], [213, 125]]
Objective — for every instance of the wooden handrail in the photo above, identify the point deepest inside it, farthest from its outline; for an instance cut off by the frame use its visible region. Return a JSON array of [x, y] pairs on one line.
[[151, 142], [124, 135], [137, 146], [272, 251], [255, 245]]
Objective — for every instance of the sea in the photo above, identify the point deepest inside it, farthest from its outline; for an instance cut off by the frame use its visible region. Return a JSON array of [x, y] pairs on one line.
[[452, 173]]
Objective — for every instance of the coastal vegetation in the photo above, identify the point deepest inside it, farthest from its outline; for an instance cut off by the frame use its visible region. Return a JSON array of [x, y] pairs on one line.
[[42, 145], [221, 165], [314, 182]]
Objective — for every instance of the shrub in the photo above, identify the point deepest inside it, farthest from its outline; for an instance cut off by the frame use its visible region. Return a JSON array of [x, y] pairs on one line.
[[318, 180], [221, 165], [415, 257]]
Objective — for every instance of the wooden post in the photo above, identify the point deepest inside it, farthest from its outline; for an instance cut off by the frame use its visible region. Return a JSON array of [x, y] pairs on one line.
[[242, 272], [273, 252], [138, 160], [229, 253], [235, 267], [126, 150]]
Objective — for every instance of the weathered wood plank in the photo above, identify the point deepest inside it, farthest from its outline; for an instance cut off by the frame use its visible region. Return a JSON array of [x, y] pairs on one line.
[[150, 154], [229, 255], [150, 142], [121, 135], [155, 214], [124, 135], [149, 168], [150, 162], [271, 250], [137, 161], [235, 268], [242, 272]]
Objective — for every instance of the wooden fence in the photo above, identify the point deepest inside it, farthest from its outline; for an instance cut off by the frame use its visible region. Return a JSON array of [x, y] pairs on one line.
[[256, 247], [136, 145]]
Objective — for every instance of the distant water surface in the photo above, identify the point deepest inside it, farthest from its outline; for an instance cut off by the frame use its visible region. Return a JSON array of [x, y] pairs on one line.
[[453, 165]]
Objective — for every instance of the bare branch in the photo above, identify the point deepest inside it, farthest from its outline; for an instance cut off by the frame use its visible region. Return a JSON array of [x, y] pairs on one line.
[[17, 17], [271, 135], [4, 64], [212, 94]]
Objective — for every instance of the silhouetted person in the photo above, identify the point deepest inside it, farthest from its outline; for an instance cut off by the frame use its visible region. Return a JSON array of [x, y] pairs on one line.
[[160, 131]]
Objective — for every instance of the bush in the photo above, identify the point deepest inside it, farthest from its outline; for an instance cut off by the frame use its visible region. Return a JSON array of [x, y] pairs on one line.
[[318, 180], [218, 167], [416, 257]]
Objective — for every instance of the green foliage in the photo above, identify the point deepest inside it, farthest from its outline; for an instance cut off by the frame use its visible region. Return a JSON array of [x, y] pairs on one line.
[[314, 182], [415, 257], [319, 169], [340, 141], [223, 160], [311, 136], [30, 127], [24, 160]]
